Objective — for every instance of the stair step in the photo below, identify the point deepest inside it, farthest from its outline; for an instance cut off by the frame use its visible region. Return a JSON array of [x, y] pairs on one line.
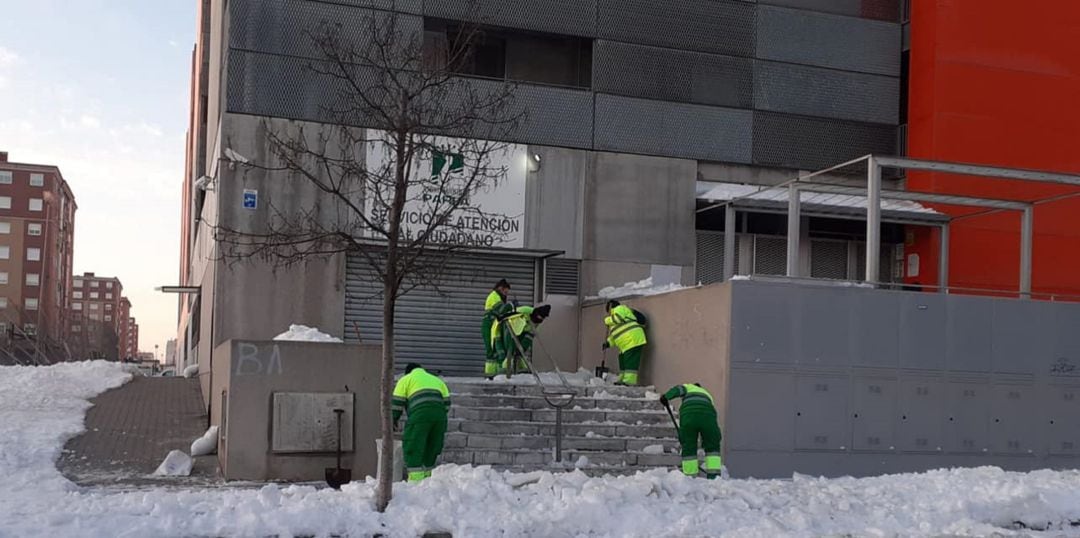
[[538, 402], [482, 387], [518, 457], [614, 444], [512, 427], [598, 416]]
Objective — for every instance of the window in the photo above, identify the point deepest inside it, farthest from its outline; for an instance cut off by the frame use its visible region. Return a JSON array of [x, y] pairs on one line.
[[507, 54], [31, 303], [33, 228], [78, 283], [76, 294], [30, 329], [5, 227], [33, 279], [108, 296], [76, 328], [5, 202], [108, 285], [108, 307], [5, 253], [5, 178], [108, 318], [3, 277], [93, 295], [37, 180], [35, 204], [76, 306], [94, 283], [94, 306], [3, 303], [33, 254]]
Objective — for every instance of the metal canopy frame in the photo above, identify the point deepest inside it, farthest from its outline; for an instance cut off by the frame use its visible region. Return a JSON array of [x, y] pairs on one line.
[[874, 194]]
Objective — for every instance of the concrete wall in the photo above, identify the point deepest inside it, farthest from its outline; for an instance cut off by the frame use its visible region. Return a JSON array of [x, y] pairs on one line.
[[688, 339], [842, 380], [558, 336], [248, 373], [555, 200]]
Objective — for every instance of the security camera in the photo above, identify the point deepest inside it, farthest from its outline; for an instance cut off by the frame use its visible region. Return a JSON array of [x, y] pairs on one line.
[[205, 183]]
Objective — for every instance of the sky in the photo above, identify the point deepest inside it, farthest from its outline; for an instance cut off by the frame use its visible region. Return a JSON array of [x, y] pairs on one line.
[[100, 88]]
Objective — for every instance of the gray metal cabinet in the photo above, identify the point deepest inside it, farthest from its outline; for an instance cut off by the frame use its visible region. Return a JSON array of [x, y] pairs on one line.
[[919, 420], [822, 421], [873, 414], [1011, 426], [966, 415], [763, 417], [1060, 419]]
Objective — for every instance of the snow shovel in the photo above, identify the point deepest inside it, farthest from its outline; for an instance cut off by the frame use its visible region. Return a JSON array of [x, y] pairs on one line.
[[336, 476], [602, 370]]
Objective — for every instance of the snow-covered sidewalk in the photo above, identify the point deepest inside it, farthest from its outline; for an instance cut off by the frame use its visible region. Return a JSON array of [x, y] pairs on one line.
[[41, 407]]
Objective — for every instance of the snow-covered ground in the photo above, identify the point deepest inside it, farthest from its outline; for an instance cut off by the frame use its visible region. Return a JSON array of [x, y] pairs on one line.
[[41, 407]]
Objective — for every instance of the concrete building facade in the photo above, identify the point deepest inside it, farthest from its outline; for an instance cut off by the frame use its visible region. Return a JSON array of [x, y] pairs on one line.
[[634, 110], [37, 222]]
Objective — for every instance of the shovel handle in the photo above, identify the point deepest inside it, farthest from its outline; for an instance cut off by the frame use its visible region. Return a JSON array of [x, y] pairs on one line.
[[339, 413], [672, 415]]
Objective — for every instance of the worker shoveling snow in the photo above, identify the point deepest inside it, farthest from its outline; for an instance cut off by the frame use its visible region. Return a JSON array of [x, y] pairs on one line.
[[303, 333], [41, 407]]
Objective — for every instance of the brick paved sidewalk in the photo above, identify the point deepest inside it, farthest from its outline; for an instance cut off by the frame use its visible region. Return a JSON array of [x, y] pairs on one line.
[[129, 431]]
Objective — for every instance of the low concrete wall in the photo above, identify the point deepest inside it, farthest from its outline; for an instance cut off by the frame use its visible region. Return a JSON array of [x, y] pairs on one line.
[[688, 334], [246, 376]]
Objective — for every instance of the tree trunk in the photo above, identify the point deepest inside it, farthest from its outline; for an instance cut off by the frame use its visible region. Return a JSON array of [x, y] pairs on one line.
[[386, 384]]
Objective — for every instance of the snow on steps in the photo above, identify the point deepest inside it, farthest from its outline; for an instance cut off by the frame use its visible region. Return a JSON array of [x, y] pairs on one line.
[[511, 427]]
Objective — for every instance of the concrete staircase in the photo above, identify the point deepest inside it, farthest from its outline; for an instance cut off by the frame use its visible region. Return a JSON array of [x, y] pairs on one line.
[[616, 429]]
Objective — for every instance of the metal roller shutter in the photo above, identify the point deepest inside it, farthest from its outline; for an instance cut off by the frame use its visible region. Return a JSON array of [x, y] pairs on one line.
[[439, 328]]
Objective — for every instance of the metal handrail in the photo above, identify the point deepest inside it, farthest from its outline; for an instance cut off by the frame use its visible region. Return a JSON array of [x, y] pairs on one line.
[[564, 396]]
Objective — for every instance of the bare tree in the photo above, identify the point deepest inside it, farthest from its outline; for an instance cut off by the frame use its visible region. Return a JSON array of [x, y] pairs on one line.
[[396, 100]]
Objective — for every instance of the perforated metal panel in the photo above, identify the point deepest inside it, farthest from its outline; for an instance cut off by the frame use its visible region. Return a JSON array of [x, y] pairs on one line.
[[885, 265], [572, 17], [710, 256], [677, 130], [561, 276], [828, 93], [671, 75], [847, 43], [884, 10], [770, 255], [828, 259], [439, 328], [721, 26], [555, 116], [814, 143]]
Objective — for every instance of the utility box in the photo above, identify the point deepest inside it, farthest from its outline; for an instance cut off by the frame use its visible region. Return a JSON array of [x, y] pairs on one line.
[[306, 422], [274, 402]]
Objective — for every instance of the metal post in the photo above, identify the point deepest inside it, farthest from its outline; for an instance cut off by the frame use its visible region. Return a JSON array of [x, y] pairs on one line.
[[558, 434], [793, 234], [943, 260], [873, 220], [729, 241], [1027, 224]]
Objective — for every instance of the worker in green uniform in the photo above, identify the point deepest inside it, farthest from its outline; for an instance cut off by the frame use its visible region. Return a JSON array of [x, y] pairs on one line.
[[626, 333], [427, 401], [697, 418], [522, 322], [496, 298]]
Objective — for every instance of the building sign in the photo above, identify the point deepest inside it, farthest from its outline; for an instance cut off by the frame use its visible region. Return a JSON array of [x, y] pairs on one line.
[[493, 212], [251, 199]]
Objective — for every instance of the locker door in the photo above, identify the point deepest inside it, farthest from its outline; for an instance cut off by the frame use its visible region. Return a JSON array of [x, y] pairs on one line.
[[920, 415], [873, 414], [1013, 416], [966, 416], [822, 421], [1060, 418]]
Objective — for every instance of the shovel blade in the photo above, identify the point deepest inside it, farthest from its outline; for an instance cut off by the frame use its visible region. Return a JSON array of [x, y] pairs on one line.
[[336, 478]]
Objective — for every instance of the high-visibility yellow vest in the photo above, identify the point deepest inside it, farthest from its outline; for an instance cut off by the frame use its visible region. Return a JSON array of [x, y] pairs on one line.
[[419, 389], [624, 332], [493, 299]]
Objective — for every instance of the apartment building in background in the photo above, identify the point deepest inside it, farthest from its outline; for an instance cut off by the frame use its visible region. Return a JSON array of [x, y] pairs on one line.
[[37, 222], [101, 324], [133, 337]]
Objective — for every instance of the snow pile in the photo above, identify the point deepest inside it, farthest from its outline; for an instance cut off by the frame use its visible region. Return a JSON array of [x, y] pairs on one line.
[[303, 333], [653, 449], [191, 371], [634, 289], [176, 464], [41, 407], [207, 444]]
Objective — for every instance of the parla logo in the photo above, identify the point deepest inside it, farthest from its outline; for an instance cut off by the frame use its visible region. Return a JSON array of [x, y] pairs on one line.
[[446, 162]]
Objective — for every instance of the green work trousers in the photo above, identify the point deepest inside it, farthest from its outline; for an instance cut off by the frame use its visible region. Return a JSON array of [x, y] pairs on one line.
[[629, 364], [422, 441], [491, 359], [700, 423], [506, 350]]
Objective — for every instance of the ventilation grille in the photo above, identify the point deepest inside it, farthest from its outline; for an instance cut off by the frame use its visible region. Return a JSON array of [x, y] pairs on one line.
[[561, 276]]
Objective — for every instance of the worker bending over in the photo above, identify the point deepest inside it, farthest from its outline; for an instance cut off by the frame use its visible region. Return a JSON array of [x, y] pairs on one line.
[[427, 401], [697, 418]]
